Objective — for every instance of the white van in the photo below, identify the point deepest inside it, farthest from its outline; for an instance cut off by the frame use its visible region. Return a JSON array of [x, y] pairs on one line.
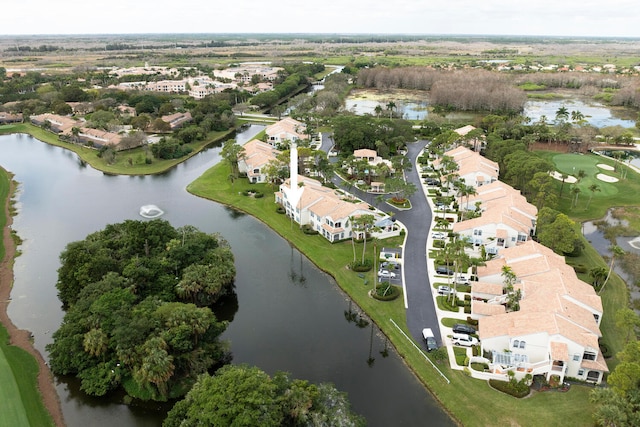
[[429, 339], [464, 340]]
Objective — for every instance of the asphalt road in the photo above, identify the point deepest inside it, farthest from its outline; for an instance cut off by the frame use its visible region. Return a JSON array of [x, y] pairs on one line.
[[421, 311]]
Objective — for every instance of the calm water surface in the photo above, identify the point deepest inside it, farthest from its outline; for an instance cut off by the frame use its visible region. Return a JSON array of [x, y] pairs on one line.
[[289, 316]]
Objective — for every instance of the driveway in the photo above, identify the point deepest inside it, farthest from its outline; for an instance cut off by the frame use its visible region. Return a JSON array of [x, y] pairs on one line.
[[421, 310]]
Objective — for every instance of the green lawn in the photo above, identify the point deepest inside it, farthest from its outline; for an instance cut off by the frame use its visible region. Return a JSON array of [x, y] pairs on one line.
[[12, 410], [471, 402]]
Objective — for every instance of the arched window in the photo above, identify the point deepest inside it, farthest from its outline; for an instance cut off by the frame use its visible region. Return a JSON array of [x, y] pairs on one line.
[[516, 343], [522, 344]]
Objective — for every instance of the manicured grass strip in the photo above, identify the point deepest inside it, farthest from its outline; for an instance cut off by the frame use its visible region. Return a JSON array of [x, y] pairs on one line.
[[472, 402], [4, 194], [20, 400], [12, 411]]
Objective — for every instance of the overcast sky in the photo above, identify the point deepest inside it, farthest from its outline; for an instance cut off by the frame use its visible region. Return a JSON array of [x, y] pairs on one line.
[[610, 18]]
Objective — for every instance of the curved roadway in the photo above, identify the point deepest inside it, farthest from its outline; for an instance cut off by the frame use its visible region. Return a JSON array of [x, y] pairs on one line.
[[421, 311]]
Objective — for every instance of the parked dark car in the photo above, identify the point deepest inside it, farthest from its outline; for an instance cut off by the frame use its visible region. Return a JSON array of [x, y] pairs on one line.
[[444, 270], [461, 328]]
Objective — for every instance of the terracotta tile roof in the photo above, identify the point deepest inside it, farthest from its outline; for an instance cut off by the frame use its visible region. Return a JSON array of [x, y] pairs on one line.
[[487, 288], [559, 350], [484, 309]]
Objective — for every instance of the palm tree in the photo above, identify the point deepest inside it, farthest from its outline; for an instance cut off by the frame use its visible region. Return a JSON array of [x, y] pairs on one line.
[[513, 296], [593, 188], [562, 114], [577, 116], [597, 274], [575, 191], [615, 251], [95, 342], [564, 176], [378, 110], [390, 106]]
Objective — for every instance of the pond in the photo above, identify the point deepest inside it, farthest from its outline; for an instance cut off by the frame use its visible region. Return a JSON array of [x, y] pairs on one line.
[[287, 315], [414, 107], [407, 105], [595, 114]]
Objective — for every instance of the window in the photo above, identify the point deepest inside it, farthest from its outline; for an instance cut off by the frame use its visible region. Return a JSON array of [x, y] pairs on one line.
[[477, 232], [589, 356], [337, 225], [522, 237], [580, 372], [516, 343], [522, 344], [500, 241], [576, 357]]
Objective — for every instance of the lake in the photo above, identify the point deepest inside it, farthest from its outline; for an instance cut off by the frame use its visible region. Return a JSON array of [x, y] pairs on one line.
[[288, 315]]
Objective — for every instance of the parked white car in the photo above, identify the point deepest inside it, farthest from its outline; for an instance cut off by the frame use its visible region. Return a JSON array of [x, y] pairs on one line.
[[386, 274], [461, 279], [464, 340], [438, 235]]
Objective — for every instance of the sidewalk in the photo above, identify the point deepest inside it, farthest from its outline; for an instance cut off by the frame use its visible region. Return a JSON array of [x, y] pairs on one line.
[[445, 331]]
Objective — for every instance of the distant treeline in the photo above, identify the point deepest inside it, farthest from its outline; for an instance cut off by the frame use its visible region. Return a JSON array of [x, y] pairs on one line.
[[462, 90]]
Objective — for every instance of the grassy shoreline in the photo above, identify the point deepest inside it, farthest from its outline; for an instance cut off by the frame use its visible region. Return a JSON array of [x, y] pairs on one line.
[[129, 162], [21, 402]]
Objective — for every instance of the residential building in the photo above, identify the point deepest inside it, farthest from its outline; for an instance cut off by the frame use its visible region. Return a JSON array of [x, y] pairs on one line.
[[177, 120], [256, 157], [287, 129], [506, 218], [556, 329], [473, 168]]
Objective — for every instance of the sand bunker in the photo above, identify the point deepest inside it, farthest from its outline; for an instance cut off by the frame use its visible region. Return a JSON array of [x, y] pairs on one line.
[[569, 179], [605, 167], [606, 178]]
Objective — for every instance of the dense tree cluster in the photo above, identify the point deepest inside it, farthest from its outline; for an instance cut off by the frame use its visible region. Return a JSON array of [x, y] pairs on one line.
[[466, 90], [246, 396], [357, 132], [477, 90], [137, 297], [619, 403]]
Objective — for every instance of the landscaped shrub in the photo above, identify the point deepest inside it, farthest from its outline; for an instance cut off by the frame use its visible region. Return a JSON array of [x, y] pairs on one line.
[[258, 194], [472, 322], [515, 388], [280, 210], [467, 309], [308, 229], [467, 297], [360, 266], [580, 268], [386, 292], [475, 350], [606, 351], [479, 367]]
